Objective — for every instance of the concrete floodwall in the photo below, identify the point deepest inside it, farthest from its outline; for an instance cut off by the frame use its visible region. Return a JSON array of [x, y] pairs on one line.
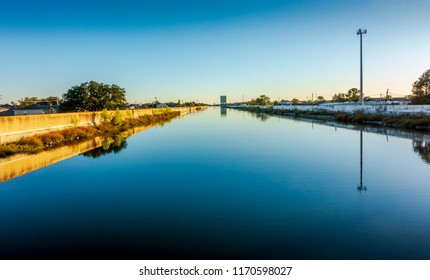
[[388, 110], [13, 128]]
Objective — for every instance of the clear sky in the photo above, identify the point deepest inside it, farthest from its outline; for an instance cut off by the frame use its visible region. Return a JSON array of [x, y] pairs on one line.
[[199, 50]]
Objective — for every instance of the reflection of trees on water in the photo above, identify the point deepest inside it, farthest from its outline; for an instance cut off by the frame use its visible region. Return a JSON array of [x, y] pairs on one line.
[[423, 149], [110, 145], [260, 116]]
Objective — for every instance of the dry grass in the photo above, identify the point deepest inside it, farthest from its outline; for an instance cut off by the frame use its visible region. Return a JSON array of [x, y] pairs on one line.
[[407, 121], [37, 143]]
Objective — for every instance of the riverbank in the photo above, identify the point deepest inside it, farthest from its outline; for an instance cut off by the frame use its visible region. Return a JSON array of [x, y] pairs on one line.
[[111, 126], [14, 128], [407, 121]]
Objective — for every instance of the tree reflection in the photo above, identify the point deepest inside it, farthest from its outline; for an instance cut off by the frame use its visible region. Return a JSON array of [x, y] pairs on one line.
[[110, 145], [260, 116], [423, 149]]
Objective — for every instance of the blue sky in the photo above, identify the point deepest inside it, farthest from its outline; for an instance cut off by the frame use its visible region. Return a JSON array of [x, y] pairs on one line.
[[199, 50]]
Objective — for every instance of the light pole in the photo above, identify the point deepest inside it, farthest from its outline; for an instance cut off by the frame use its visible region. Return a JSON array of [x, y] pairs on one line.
[[361, 32]]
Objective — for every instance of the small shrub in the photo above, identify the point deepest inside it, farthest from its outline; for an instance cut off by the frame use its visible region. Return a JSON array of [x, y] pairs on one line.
[[32, 141], [118, 118], [52, 138], [75, 121], [105, 116]]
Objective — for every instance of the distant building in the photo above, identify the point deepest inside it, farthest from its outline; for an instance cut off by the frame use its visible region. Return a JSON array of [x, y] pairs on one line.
[[161, 105], [35, 109], [6, 107], [285, 103], [223, 101]]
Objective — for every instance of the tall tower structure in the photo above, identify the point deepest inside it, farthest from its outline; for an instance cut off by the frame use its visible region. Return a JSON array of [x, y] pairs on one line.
[[223, 100]]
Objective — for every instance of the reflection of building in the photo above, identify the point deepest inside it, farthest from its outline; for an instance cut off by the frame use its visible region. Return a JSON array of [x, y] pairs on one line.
[[223, 111], [223, 101]]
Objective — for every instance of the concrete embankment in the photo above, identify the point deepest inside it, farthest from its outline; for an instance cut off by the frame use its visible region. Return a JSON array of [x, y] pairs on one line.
[[14, 128]]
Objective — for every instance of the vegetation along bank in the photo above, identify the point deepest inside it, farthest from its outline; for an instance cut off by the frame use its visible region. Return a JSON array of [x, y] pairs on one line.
[[111, 125], [407, 121]]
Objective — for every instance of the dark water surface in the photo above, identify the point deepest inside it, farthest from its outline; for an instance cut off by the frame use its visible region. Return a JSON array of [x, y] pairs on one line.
[[226, 185]]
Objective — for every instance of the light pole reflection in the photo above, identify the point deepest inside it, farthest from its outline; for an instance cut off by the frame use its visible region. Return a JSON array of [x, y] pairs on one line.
[[360, 187]]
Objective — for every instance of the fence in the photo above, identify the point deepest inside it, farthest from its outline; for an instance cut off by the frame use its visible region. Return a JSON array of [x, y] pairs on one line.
[[388, 110]]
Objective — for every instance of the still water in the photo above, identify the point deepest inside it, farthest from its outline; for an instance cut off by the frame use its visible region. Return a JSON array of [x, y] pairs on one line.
[[227, 185]]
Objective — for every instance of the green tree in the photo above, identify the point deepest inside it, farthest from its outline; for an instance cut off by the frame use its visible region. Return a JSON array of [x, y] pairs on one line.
[[93, 96], [320, 98], [421, 89], [26, 101], [295, 101], [263, 100], [353, 95], [339, 97]]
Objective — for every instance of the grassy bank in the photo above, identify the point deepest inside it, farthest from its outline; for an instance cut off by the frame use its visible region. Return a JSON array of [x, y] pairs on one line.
[[407, 121], [111, 125]]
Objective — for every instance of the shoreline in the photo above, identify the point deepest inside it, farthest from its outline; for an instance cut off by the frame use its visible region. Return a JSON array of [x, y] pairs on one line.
[[35, 144], [416, 122]]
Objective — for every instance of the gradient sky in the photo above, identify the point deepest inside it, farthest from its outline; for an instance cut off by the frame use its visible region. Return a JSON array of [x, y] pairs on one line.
[[199, 50]]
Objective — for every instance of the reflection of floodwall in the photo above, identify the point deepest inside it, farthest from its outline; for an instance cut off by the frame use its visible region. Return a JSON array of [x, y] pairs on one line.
[[13, 128], [21, 164], [18, 165]]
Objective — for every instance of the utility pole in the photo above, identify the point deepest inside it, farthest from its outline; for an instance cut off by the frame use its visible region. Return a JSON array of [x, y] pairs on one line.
[[386, 98], [361, 32]]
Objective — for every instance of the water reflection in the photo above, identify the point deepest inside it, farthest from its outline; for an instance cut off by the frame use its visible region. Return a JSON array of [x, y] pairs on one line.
[[360, 187], [21, 164], [423, 149], [223, 110], [420, 140], [260, 116], [217, 188], [109, 145]]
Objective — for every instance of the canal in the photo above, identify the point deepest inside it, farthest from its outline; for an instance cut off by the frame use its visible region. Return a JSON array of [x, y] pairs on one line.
[[227, 184]]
